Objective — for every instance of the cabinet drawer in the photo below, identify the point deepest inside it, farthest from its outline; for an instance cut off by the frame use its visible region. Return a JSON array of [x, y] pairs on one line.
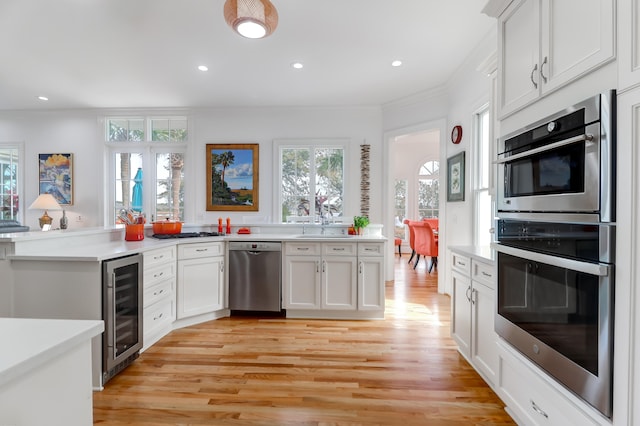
[[196, 250], [483, 272], [164, 271], [340, 249], [461, 263], [370, 249], [158, 315], [303, 249], [154, 293], [158, 256], [537, 403]]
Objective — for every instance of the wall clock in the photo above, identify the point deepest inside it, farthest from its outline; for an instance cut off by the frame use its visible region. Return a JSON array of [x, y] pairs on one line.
[[456, 134]]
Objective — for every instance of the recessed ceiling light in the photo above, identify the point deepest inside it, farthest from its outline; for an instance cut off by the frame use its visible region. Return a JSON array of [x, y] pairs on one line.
[[297, 65], [396, 63], [203, 68], [43, 98]]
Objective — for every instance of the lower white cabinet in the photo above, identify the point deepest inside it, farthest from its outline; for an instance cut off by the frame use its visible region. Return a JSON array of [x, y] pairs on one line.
[[336, 276], [200, 278], [159, 281], [473, 310], [533, 401]]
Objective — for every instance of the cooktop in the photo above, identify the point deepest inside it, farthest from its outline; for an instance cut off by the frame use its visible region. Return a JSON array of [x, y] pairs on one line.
[[187, 235]]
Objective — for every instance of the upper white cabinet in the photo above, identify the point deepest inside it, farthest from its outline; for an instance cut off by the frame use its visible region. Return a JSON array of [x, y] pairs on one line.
[[629, 44], [545, 44]]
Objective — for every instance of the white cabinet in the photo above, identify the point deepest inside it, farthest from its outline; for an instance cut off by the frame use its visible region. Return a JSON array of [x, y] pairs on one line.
[[473, 306], [532, 400], [159, 278], [371, 276], [546, 44], [200, 278], [320, 276], [629, 44], [345, 278]]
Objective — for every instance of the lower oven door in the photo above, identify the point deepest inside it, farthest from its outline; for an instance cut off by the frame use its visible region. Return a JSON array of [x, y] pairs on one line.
[[559, 313]]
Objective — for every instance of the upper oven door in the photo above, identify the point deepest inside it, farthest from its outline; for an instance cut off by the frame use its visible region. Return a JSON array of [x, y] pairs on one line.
[[562, 177]]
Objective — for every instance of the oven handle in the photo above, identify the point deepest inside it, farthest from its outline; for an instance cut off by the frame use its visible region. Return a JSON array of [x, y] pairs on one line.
[[598, 269], [587, 137]]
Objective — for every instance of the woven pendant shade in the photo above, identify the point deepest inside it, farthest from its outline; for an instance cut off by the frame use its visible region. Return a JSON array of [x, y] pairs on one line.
[[251, 18]]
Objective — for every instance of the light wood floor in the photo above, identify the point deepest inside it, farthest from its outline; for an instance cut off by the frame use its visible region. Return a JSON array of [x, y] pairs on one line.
[[403, 370]]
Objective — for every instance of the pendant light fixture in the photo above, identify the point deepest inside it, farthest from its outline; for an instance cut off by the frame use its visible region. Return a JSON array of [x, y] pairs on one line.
[[251, 18]]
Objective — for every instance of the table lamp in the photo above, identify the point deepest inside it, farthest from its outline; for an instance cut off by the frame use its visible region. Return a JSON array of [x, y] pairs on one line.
[[45, 202]]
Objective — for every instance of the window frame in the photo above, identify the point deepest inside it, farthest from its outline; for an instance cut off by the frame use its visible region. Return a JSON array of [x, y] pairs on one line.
[[148, 149], [434, 176], [22, 204], [311, 144], [482, 186]]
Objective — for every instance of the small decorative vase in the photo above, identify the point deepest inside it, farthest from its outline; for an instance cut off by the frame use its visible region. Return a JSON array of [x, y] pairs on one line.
[[64, 221]]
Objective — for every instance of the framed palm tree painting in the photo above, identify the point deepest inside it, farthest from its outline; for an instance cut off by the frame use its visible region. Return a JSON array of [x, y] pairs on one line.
[[232, 177]]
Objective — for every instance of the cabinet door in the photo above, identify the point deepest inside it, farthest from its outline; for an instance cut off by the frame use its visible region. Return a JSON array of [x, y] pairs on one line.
[[461, 312], [200, 288], [577, 36], [302, 282], [484, 348], [519, 53], [339, 283], [371, 283], [629, 43]]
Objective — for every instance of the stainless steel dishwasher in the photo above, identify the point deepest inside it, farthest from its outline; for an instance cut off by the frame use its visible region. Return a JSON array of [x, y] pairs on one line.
[[255, 276]]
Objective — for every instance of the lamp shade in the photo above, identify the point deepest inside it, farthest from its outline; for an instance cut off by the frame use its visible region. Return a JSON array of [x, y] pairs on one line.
[[251, 18], [45, 202]]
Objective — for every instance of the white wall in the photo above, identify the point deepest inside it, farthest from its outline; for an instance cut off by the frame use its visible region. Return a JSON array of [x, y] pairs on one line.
[[467, 90], [81, 132]]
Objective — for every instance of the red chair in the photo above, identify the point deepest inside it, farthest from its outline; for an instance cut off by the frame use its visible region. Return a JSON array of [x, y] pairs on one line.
[[398, 242], [411, 238], [426, 244]]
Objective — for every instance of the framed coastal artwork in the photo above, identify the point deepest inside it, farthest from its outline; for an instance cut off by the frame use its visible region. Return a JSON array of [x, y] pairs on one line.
[[455, 177], [55, 177], [232, 177]]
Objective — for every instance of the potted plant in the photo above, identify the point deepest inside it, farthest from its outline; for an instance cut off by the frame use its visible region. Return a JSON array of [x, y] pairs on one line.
[[360, 222]]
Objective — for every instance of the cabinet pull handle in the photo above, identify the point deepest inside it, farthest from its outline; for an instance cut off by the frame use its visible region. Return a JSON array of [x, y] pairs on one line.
[[544, 62], [360, 268], [338, 249], [474, 296], [466, 293], [202, 249], [158, 317], [486, 274], [158, 257], [533, 71], [538, 409], [158, 275], [317, 266], [324, 264], [155, 293], [221, 266], [302, 248]]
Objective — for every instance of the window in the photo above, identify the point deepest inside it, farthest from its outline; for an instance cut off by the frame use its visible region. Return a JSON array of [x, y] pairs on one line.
[[428, 189], [312, 181], [400, 208], [10, 182], [147, 161], [482, 164]]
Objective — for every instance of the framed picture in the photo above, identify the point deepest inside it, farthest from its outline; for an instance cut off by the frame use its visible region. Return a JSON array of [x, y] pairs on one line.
[[55, 177], [232, 177], [455, 177]]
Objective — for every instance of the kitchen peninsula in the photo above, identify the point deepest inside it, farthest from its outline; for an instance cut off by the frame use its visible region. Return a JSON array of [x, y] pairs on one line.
[[59, 274]]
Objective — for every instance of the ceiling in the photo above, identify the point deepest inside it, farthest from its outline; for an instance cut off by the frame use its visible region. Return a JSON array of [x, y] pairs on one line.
[[145, 53]]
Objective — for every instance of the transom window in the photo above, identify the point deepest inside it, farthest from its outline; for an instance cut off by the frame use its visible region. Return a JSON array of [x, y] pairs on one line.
[[312, 181], [147, 162]]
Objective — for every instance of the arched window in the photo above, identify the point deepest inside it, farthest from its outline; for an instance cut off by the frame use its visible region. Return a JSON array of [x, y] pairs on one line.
[[428, 189]]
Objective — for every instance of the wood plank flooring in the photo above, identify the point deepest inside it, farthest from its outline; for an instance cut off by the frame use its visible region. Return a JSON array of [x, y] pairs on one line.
[[403, 370]]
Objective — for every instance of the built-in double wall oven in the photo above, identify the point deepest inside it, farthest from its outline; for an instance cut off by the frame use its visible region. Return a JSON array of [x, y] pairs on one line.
[[556, 246]]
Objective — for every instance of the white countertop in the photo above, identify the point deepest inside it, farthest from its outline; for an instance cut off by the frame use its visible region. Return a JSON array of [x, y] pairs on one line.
[[478, 252], [29, 343], [108, 250]]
